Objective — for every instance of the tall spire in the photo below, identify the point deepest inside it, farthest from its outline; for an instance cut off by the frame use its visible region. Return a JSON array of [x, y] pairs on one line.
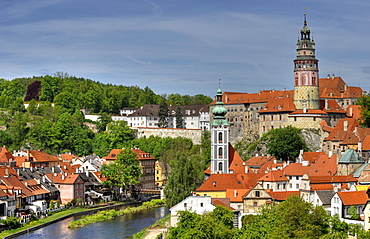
[[219, 111]]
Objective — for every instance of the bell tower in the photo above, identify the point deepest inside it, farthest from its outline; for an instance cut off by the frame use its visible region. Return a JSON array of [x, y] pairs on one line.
[[306, 72], [219, 137]]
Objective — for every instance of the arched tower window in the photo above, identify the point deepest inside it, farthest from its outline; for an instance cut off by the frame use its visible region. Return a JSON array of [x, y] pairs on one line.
[[220, 137], [220, 166], [220, 152]]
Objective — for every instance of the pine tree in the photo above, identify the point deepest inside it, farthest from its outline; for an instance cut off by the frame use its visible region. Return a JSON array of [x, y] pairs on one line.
[[163, 113], [179, 119]]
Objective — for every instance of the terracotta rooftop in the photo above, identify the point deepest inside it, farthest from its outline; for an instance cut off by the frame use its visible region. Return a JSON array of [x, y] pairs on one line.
[[274, 176], [221, 182], [296, 169], [258, 161], [236, 195], [40, 156], [60, 179], [339, 132], [354, 111], [236, 162], [324, 166], [278, 105], [332, 179], [353, 197], [282, 196], [5, 155]]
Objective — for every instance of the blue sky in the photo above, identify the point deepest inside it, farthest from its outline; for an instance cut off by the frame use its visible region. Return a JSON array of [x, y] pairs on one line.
[[186, 46]]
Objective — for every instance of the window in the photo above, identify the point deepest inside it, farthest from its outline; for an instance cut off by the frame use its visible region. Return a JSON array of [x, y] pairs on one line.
[[185, 205], [201, 204], [258, 194], [219, 166], [267, 186], [220, 152], [220, 137], [255, 204]]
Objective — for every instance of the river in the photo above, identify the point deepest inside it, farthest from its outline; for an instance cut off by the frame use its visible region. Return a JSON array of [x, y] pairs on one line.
[[120, 227]]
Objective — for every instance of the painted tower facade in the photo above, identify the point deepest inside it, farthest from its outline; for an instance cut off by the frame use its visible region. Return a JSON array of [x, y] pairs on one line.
[[306, 72], [219, 137]]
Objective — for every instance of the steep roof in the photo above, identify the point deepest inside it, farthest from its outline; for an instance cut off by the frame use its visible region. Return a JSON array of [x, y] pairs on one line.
[[332, 83], [236, 162], [61, 178], [324, 166], [141, 155], [339, 132], [311, 157], [325, 196], [353, 92], [274, 176], [354, 111], [353, 197], [5, 155], [331, 106], [221, 182], [40, 156]]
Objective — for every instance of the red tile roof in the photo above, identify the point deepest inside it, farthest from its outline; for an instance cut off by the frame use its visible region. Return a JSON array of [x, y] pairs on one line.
[[236, 195], [309, 113], [221, 182], [282, 196], [60, 179], [332, 179], [339, 133], [40, 156], [331, 106], [220, 202], [322, 187], [354, 111], [274, 176], [278, 105], [324, 166], [353, 197], [296, 169], [311, 157], [141, 155], [353, 92], [5, 155], [258, 161], [236, 162]]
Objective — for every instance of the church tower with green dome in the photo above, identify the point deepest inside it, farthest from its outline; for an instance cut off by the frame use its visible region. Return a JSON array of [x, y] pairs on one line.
[[219, 137], [306, 72]]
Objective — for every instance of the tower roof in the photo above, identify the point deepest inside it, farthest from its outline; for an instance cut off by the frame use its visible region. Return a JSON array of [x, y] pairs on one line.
[[219, 111]]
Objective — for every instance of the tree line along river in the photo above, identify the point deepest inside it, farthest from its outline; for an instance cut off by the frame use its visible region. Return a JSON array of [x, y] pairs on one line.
[[120, 227]]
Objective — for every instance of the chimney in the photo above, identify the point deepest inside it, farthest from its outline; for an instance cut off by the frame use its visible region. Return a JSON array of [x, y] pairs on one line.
[[63, 177], [360, 146], [330, 154], [328, 76], [246, 169], [332, 76], [345, 125], [350, 111], [235, 193], [304, 110], [275, 161], [6, 172], [326, 104]]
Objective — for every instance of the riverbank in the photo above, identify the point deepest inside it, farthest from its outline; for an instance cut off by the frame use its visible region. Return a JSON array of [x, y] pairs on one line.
[[154, 230], [34, 225], [110, 214]]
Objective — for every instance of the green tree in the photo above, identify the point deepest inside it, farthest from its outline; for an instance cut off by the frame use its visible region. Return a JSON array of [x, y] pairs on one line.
[[352, 212], [187, 172], [103, 120], [285, 143], [179, 119], [163, 113], [50, 88], [32, 107], [124, 172], [364, 102], [216, 224], [206, 146]]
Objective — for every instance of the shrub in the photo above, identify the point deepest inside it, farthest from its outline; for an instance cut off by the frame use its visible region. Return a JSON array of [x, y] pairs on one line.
[[12, 222]]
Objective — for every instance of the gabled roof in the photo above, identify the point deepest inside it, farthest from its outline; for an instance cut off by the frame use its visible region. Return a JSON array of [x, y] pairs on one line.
[[68, 157], [309, 113], [366, 143], [274, 176], [221, 202], [325, 196], [332, 83], [322, 187], [5, 155], [59, 178], [141, 155], [112, 154], [353, 197]]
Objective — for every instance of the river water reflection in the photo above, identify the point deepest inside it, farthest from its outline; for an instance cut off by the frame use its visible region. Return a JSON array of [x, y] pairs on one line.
[[120, 227]]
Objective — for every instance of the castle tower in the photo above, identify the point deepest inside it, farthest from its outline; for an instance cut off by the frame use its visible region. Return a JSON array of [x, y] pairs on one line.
[[219, 137], [306, 72]]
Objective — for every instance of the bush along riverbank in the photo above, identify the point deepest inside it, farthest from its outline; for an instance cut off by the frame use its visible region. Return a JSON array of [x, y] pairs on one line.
[[163, 223], [110, 214]]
